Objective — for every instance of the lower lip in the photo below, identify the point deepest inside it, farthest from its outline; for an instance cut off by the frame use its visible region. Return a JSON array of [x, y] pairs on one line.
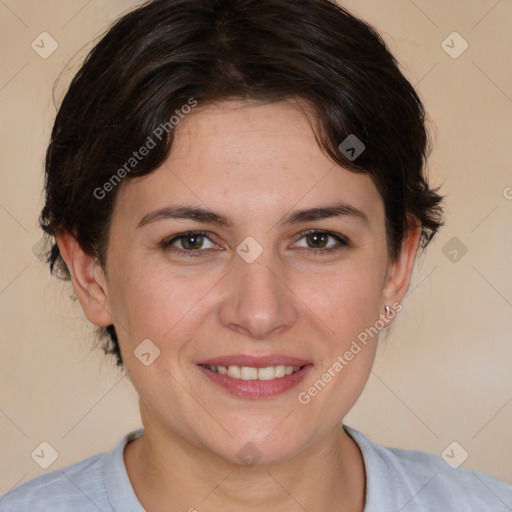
[[257, 388]]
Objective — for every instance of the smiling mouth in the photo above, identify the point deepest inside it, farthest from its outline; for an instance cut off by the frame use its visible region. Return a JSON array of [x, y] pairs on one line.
[[255, 382], [252, 373]]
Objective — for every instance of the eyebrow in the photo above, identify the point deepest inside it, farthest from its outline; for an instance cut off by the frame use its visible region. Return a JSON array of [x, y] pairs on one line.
[[325, 212], [209, 217]]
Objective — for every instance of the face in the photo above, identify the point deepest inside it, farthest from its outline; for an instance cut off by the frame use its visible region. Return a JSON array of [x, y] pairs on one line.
[[289, 271]]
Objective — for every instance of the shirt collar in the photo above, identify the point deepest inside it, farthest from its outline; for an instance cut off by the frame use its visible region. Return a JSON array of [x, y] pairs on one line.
[[380, 493], [119, 489]]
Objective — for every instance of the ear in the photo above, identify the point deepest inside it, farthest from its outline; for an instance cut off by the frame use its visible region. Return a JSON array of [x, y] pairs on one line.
[[400, 271], [88, 279]]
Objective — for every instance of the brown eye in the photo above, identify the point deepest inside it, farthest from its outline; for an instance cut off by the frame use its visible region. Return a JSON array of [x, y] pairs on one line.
[[317, 240], [191, 242]]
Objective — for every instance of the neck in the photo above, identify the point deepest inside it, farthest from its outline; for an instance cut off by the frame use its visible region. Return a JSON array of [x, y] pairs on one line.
[[167, 472]]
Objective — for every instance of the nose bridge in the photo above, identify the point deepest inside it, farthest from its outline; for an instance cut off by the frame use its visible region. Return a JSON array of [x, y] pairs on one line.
[[257, 300]]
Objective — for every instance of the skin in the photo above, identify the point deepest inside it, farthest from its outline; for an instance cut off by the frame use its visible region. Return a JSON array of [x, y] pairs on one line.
[[254, 163]]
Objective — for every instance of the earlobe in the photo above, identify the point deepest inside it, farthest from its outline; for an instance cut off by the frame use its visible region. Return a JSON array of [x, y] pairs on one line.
[[88, 279]]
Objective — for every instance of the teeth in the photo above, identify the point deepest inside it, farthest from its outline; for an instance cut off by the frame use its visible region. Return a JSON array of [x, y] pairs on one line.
[[250, 373], [247, 373], [280, 371]]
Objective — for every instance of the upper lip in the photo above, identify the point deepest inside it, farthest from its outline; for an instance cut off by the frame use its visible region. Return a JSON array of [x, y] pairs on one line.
[[254, 361]]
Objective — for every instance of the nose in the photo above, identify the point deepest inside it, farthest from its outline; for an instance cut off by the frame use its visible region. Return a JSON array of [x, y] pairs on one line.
[[258, 299]]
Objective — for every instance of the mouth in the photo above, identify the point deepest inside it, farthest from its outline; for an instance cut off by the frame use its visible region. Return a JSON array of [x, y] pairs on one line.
[[256, 380]]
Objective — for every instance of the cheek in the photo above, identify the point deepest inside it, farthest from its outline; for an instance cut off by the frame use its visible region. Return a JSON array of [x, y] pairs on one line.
[[152, 301], [346, 299], [345, 306]]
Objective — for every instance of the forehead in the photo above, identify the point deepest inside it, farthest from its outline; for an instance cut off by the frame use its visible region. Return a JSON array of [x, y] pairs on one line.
[[263, 138], [256, 159]]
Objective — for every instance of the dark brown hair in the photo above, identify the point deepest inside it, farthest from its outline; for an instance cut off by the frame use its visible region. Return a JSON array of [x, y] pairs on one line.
[[153, 60]]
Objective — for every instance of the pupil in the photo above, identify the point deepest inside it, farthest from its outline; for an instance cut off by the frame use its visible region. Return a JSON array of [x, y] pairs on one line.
[[316, 237], [191, 241]]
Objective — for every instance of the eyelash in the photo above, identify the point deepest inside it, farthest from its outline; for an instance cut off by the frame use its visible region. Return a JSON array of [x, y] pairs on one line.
[[342, 242]]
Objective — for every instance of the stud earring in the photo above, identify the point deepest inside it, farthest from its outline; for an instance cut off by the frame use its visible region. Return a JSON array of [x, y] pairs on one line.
[[387, 309]]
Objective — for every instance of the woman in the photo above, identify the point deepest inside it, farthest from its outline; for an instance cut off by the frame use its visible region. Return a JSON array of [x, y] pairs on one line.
[[238, 196]]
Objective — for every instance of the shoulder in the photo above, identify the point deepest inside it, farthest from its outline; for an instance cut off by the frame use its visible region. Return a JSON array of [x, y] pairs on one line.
[[99, 482], [432, 478], [69, 488], [418, 481]]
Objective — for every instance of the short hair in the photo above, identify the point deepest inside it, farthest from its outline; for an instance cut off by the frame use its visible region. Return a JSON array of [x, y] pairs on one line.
[[156, 58]]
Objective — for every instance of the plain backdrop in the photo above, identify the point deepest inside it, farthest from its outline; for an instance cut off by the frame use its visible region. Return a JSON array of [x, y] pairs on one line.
[[443, 371]]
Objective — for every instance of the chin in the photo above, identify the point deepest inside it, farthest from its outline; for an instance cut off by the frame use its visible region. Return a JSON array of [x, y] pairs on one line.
[[251, 445]]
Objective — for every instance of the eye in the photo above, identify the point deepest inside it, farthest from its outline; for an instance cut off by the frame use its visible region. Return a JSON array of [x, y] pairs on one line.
[[317, 242], [191, 242]]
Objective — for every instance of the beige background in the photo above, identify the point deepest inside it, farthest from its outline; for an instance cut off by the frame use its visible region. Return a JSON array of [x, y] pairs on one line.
[[443, 372]]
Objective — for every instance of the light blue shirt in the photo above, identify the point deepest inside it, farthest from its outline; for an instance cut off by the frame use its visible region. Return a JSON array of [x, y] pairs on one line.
[[397, 480]]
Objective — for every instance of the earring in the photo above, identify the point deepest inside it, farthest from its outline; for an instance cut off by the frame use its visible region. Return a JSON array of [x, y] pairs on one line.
[[387, 309]]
